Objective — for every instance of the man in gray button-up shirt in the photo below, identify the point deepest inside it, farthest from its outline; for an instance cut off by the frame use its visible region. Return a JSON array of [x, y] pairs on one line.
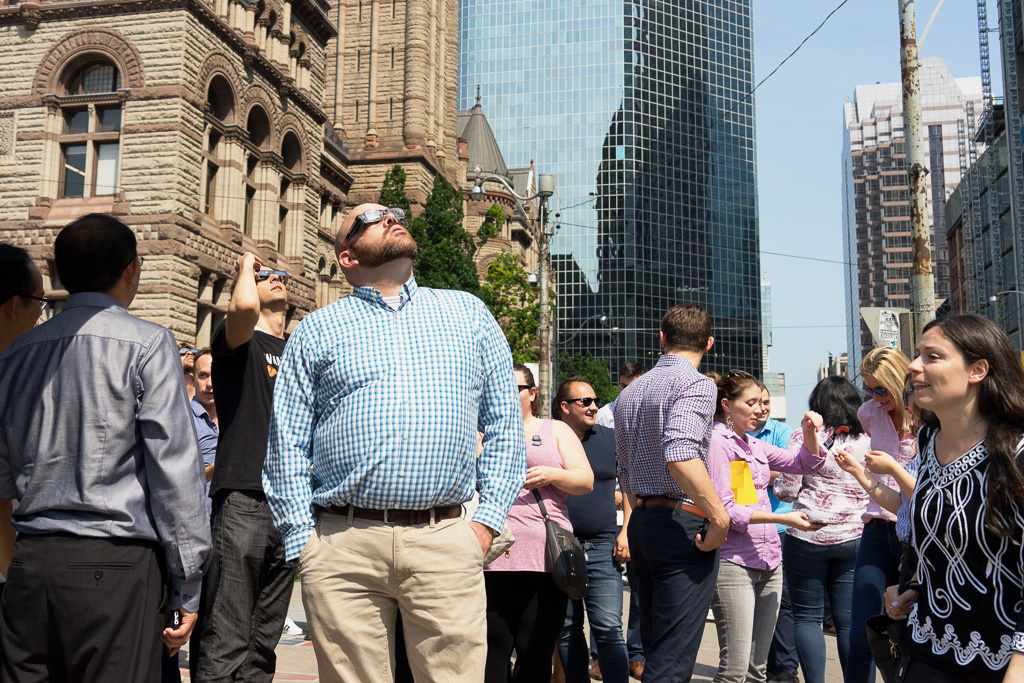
[[98, 450]]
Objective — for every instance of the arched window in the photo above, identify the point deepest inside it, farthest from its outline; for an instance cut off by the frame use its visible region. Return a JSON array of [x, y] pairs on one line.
[[291, 155], [221, 105], [90, 135], [258, 127]]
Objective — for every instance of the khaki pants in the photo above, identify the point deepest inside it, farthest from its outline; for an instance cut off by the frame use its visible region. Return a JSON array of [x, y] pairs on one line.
[[355, 578]]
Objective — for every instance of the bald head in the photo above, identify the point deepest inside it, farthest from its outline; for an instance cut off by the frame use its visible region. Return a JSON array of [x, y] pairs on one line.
[[350, 219]]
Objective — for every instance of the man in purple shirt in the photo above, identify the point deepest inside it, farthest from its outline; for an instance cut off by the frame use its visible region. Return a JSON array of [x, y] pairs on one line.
[[662, 434]]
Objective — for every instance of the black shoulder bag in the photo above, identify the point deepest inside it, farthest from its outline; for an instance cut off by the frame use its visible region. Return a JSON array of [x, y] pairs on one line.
[[885, 635], [565, 556]]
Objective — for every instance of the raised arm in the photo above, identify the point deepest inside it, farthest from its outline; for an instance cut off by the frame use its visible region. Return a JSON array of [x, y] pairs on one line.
[[244, 308], [808, 458]]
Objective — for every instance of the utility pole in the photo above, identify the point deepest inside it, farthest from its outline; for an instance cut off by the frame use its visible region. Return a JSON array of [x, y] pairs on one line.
[[922, 294], [544, 381]]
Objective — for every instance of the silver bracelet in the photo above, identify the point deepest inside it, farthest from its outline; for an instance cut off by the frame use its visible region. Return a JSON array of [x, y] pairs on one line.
[[878, 482]]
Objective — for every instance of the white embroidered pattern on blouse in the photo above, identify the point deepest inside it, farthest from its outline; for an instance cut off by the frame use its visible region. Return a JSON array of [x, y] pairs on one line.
[[949, 642], [1018, 641]]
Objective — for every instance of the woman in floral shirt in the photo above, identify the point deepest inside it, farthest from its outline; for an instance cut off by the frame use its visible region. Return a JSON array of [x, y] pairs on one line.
[[823, 560]]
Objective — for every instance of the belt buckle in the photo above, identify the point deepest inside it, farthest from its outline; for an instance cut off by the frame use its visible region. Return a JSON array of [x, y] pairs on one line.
[[386, 516]]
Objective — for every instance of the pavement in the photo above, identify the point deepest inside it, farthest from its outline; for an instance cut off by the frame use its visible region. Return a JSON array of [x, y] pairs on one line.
[[296, 661]]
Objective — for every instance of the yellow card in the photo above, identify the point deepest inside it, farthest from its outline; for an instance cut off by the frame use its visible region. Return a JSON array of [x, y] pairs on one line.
[[743, 484]]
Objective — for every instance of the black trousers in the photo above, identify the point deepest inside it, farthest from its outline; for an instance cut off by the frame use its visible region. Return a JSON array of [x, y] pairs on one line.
[[675, 582], [82, 610], [525, 612]]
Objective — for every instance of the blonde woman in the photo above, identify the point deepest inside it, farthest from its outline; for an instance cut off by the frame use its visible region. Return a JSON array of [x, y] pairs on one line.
[[887, 421]]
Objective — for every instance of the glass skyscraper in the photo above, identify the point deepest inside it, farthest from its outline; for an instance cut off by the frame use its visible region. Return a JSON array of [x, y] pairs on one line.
[[635, 107]]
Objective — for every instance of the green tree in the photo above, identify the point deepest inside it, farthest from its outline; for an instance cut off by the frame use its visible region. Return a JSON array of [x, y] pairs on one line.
[[392, 194], [594, 369], [494, 221], [515, 304], [446, 249]]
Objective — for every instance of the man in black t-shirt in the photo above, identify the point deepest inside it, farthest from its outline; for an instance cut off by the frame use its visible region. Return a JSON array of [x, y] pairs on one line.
[[593, 518], [248, 586]]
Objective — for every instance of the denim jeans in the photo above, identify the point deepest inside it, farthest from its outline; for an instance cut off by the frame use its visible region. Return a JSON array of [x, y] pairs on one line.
[[811, 570], [246, 592], [782, 657], [878, 566], [604, 611], [675, 582], [634, 644], [746, 604]]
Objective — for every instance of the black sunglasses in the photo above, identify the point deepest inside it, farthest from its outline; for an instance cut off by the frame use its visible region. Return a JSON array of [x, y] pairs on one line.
[[43, 301], [524, 386], [907, 393], [585, 402]]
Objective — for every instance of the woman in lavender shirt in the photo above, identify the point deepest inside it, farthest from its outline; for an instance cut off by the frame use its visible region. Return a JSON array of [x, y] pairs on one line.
[[746, 602], [823, 561]]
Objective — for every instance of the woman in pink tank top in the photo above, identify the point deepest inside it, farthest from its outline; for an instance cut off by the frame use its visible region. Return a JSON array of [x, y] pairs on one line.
[[525, 610]]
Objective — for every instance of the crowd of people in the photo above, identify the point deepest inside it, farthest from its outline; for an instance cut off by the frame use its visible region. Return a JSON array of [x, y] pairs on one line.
[[150, 499]]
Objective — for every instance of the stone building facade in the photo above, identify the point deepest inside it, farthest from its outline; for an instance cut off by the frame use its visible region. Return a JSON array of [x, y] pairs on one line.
[[214, 127], [199, 124], [391, 81]]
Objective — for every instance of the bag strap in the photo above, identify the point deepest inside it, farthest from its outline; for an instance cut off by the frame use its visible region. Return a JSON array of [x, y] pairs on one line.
[[540, 503]]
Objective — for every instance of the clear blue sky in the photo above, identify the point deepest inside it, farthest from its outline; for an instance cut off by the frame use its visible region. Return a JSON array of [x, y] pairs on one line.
[[799, 142]]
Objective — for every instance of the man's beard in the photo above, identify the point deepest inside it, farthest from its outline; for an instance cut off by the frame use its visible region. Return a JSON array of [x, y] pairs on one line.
[[387, 250]]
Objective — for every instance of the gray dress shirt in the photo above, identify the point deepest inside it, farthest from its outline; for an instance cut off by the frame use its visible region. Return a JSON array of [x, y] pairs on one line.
[[97, 440]]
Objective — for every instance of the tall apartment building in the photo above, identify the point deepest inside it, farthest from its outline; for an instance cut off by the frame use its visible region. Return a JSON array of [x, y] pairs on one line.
[[877, 245], [635, 107]]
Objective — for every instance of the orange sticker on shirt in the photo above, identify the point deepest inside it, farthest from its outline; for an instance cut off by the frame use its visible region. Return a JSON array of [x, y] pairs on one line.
[[743, 490], [271, 371]]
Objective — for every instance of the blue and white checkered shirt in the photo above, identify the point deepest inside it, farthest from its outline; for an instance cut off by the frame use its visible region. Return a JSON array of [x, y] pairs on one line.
[[380, 408]]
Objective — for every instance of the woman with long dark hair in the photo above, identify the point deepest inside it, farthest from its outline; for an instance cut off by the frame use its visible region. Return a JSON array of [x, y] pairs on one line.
[[887, 422], [965, 619], [822, 561]]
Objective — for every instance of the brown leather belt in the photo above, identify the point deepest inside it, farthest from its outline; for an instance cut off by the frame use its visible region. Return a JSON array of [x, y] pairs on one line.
[[395, 516], [667, 503]]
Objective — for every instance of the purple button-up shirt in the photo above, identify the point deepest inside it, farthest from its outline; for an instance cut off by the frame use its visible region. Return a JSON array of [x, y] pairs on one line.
[[663, 416], [755, 546]]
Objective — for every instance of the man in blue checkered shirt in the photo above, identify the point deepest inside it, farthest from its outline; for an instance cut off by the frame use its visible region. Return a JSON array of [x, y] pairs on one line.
[[373, 450]]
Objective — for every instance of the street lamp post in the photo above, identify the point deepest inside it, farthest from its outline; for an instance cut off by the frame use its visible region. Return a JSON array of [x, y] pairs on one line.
[[545, 188]]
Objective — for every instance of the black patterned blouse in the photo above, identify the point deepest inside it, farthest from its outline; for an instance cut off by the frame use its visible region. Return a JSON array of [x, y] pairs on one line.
[[969, 615]]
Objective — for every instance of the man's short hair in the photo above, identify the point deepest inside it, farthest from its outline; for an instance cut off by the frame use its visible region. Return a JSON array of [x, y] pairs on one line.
[[15, 272], [632, 369], [687, 327], [205, 351], [92, 252], [562, 393]]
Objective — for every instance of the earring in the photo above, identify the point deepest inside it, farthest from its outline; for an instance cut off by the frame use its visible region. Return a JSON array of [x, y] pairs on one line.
[[729, 423]]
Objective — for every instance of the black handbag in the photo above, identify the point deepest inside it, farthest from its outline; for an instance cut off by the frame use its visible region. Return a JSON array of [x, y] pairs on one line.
[[565, 557]]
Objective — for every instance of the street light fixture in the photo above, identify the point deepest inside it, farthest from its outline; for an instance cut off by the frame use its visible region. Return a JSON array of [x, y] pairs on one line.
[[545, 188], [995, 295]]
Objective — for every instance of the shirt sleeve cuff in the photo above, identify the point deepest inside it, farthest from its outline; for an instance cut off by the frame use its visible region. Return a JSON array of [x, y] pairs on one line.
[[295, 540], [489, 515], [184, 594]]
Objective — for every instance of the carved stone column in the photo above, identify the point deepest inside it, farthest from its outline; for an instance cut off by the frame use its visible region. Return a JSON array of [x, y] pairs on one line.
[[417, 23]]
